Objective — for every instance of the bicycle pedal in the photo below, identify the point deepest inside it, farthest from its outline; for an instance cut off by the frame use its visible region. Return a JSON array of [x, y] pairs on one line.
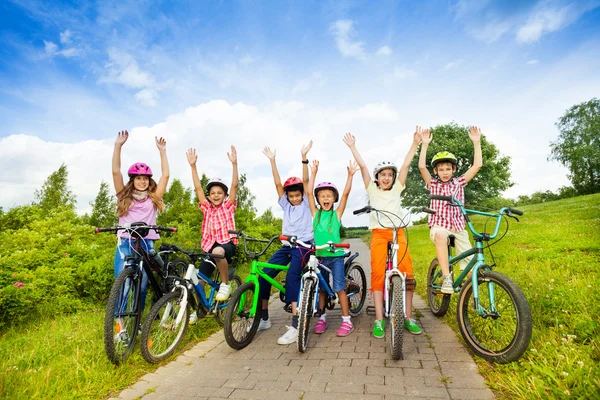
[[370, 310]]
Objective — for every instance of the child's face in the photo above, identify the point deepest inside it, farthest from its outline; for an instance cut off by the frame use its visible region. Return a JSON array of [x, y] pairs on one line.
[[295, 197], [141, 182], [385, 178], [444, 171], [216, 195], [326, 198]]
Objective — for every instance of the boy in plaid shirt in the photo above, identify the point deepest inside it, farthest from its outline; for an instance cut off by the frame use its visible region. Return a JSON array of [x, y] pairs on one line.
[[448, 219]]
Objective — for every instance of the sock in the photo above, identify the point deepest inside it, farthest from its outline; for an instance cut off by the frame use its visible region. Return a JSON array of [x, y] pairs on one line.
[[346, 319], [295, 321], [264, 314], [323, 317]]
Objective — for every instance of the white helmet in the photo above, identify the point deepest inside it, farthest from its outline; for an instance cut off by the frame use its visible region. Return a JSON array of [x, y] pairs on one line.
[[384, 165]]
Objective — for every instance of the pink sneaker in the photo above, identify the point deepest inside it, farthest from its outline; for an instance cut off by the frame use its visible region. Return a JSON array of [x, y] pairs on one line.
[[320, 326], [346, 329]]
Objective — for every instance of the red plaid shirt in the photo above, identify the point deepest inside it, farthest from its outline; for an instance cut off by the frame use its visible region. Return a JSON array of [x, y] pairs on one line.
[[217, 221], [447, 216]]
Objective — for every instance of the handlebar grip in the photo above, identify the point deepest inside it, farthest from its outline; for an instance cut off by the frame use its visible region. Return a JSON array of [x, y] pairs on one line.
[[286, 238], [438, 197], [342, 245], [165, 228], [107, 229], [428, 210], [514, 211], [361, 210], [237, 233]]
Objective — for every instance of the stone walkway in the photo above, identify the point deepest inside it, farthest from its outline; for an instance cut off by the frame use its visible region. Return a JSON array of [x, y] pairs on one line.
[[436, 365]]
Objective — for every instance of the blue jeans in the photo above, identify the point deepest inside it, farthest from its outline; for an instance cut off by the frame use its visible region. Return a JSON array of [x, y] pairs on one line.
[[296, 257], [336, 265], [123, 250]]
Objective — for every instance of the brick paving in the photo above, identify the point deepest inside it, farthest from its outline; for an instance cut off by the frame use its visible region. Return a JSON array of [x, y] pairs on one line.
[[435, 366]]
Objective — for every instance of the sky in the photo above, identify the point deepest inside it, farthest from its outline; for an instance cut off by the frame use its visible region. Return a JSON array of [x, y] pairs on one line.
[[212, 74]]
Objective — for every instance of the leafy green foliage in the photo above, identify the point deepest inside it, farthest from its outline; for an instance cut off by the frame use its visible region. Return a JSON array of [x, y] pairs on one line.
[[103, 208], [55, 193]]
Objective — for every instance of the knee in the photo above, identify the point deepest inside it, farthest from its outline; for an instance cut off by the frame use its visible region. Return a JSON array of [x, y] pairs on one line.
[[441, 237]]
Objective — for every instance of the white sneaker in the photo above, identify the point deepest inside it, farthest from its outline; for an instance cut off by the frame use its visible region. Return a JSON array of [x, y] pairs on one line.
[[264, 324], [193, 318], [447, 287], [291, 336], [223, 293]]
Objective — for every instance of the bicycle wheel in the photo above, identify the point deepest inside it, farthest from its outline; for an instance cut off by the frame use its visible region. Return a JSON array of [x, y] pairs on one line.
[[397, 317], [305, 312], [221, 306], [161, 332], [438, 302], [122, 318], [501, 335], [240, 325], [356, 288]]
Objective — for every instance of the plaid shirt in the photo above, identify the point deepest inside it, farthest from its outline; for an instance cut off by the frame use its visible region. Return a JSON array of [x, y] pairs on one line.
[[217, 221], [447, 216]]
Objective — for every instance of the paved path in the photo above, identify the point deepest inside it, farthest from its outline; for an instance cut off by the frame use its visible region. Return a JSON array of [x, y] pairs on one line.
[[436, 365]]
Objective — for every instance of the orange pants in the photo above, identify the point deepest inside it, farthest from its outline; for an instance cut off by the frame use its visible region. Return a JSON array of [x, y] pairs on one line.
[[379, 241]]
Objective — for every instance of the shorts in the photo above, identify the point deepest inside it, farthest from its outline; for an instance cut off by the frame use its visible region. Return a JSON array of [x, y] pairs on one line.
[[336, 265], [461, 242], [379, 252], [208, 268]]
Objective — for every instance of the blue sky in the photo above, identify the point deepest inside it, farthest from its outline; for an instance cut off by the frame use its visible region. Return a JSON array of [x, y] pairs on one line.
[[278, 73]]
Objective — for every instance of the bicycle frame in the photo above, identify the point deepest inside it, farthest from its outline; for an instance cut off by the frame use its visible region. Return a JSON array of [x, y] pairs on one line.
[[391, 270], [314, 272]]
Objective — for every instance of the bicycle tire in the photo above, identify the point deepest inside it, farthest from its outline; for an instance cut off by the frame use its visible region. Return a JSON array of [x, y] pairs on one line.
[[119, 339], [438, 302], [239, 325], [356, 301], [235, 282], [305, 312], [160, 333], [501, 339], [397, 318]]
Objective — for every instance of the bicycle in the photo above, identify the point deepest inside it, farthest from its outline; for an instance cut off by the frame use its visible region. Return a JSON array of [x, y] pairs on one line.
[[494, 317], [166, 323], [312, 281], [394, 291], [123, 310]]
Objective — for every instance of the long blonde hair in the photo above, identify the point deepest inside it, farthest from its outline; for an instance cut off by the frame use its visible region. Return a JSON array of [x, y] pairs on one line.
[[125, 197]]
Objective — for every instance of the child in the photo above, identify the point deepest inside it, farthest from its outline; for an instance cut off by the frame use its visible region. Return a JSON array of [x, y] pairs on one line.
[[297, 221], [384, 194], [219, 210], [137, 201], [448, 219], [327, 224]]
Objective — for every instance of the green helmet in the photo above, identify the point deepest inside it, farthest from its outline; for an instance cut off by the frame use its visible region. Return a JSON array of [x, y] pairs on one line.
[[443, 156]]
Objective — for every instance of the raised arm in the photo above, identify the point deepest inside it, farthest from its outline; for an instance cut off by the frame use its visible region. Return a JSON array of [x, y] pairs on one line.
[[403, 173], [116, 161], [276, 178], [192, 157], [350, 141], [234, 176], [475, 136], [304, 151], [308, 189], [164, 167], [426, 137], [352, 168]]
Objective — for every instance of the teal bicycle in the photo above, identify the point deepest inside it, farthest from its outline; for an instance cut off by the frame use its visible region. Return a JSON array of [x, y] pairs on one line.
[[493, 315]]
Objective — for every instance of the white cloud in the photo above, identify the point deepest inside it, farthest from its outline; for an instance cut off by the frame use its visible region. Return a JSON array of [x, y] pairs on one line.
[[532, 62], [343, 30], [50, 48], [453, 64], [315, 81], [384, 51], [65, 37], [246, 60], [403, 72]]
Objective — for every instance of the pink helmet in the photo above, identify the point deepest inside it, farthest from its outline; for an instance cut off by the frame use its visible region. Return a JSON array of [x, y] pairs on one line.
[[330, 186], [139, 168], [293, 183], [218, 182]]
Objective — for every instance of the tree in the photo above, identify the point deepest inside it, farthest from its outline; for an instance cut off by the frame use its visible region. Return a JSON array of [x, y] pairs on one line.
[[179, 207], [55, 193], [246, 212], [493, 178], [104, 208], [578, 145]]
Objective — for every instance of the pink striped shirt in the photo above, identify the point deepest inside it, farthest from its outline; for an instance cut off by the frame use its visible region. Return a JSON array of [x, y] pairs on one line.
[[217, 221], [447, 216]]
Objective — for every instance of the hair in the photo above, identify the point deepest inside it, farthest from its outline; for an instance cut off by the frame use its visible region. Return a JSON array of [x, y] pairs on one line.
[[125, 197], [454, 167]]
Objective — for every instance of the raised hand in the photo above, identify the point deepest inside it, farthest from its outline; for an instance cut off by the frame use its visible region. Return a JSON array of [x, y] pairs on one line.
[[352, 167], [305, 149], [426, 136], [191, 156], [349, 139], [161, 143], [418, 135], [474, 134], [233, 155], [315, 166], [122, 138], [269, 153]]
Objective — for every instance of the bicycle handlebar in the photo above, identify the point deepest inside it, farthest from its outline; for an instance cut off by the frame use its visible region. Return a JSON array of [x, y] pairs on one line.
[[175, 248], [245, 239], [114, 229], [366, 209], [293, 240]]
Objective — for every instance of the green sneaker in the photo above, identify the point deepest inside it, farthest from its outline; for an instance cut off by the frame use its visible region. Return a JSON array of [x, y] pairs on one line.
[[412, 326], [379, 329]]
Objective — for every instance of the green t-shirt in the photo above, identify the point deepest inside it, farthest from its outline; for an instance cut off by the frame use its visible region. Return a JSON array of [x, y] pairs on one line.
[[327, 228]]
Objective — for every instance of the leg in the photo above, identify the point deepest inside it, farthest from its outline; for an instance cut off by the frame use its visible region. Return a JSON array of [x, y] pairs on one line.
[[222, 264]]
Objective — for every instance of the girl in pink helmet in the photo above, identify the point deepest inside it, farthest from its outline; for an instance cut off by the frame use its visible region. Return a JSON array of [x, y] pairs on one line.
[[327, 222], [138, 200]]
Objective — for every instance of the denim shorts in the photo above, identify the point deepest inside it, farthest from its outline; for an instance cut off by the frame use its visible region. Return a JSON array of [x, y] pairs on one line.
[[336, 265]]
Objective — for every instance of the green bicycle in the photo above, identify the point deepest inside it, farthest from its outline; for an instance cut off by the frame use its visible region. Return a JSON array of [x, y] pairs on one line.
[[493, 315]]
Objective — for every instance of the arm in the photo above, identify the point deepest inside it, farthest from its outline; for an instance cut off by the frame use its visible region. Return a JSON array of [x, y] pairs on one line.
[[304, 151], [234, 177], [475, 136], [403, 173], [426, 137], [276, 178], [308, 189], [350, 141], [192, 158], [164, 167], [352, 168], [116, 161]]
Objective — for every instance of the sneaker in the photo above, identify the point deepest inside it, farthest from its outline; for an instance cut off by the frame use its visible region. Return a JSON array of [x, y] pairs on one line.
[[447, 287], [379, 329], [122, 337], [291, 336], [193, 318], [320, 326], [264, 324], [223, 293], [346, 329], [411, 325]]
